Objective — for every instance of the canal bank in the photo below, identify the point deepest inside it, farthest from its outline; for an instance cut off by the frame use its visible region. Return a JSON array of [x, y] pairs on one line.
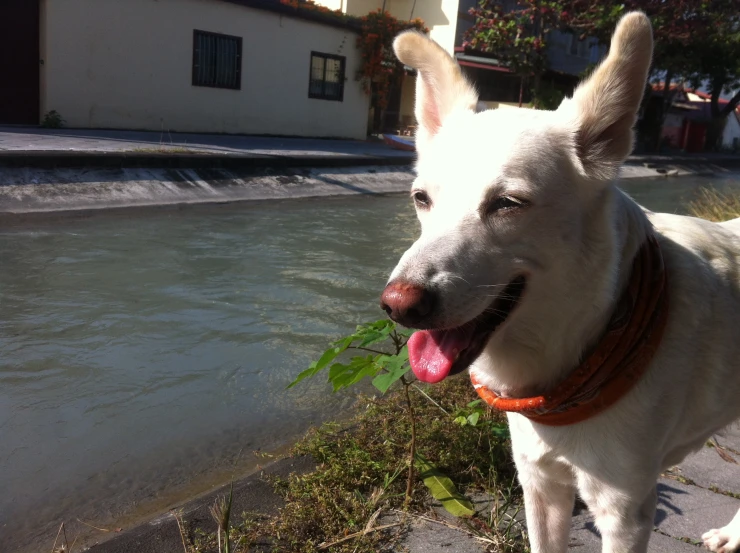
[[28, 191], [699, 494], [45, 171]]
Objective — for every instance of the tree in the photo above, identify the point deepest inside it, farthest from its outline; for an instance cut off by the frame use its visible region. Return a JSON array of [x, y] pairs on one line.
[[696, 40], [517, 37], [380, 69]]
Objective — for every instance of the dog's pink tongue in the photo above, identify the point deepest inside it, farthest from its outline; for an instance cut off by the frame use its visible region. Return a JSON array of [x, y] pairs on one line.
[[432, 352]]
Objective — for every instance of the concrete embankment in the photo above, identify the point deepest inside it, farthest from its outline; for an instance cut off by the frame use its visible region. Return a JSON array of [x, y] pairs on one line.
[[25, 191], [38, 183]]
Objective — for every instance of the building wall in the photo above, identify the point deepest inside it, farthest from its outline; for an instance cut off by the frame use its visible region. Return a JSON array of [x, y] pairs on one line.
[[115, 64], [440, 16], [573, 59], [731, 132]]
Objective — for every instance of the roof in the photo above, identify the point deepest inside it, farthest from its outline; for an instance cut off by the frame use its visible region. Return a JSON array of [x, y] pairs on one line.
[[698, 99], [327, 17], [479, 60]]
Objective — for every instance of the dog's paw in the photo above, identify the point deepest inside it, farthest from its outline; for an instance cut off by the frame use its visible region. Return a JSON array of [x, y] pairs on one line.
[[723, 540]]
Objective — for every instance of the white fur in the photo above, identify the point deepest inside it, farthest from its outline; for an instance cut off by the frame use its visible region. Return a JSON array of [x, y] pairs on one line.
[[575, 244]]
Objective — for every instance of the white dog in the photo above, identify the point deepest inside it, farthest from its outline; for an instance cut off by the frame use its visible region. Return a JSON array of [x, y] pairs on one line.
[[538, 273]]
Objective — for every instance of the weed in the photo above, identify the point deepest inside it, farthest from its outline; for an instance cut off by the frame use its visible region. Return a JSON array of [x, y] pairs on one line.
[[715, 206], [221, 513], [345, 503], [53, 120], [717, 489]]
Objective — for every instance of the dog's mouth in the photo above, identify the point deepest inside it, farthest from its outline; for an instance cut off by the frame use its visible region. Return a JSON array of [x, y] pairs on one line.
[[436, 354]]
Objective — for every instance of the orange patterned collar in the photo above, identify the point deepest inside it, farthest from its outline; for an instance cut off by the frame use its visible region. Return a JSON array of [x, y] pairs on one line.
[[619, 359]]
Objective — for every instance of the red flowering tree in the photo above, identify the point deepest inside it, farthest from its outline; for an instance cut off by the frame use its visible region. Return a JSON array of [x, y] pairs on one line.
[[380, 69], [517, 37]]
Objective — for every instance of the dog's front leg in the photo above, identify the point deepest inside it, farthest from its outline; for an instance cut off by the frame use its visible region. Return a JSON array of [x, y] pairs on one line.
[[548, 503], [549, 488], [624, 518], [549, 509]]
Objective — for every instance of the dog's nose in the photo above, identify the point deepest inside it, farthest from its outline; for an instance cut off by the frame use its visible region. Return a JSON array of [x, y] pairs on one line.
[[406, 303]]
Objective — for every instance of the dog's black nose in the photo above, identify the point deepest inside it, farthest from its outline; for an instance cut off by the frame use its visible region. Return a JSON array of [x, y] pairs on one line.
[[406, 303]]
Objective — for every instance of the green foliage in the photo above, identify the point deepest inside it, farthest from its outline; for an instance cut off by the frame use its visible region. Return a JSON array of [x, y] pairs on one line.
[[384, 368], [386, 361], [695, 40], [547, 97], [359, 467], [474, 413], [517, 37], [53, 120]]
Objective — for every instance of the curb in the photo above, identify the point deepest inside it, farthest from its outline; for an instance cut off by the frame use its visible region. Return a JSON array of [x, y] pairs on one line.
[[252, 493], [78, 159]]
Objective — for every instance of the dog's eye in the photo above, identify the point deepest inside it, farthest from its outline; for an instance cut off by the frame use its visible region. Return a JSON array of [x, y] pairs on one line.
[[421, 199], [503, 203]]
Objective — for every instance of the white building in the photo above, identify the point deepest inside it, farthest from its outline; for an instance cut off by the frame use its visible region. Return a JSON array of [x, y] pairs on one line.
[[221, 66]]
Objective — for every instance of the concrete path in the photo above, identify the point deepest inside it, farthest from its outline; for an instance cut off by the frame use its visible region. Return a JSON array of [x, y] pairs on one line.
[[701, 493], [38, 147], [27, 140]]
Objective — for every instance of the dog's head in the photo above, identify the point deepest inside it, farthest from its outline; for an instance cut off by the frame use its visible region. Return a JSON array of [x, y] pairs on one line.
[[506, 199]]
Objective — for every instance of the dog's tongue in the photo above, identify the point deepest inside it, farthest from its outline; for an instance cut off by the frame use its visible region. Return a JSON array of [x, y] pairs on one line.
[[432, 352]]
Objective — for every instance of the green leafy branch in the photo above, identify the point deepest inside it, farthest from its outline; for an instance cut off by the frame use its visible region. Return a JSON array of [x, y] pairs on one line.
[[385, 359], [385, 368]]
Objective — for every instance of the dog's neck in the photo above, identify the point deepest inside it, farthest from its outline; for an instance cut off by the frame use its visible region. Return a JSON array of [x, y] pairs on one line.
[[566, 312]]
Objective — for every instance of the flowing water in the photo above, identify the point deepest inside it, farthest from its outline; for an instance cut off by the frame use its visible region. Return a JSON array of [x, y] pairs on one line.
[[144, 358]]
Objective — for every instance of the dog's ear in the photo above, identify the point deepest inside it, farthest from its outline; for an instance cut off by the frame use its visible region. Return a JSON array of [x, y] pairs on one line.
[[606, 104], [440, 85]]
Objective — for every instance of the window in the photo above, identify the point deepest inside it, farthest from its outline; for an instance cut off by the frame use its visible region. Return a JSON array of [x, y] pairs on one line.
[[217, 60], [326, 81], [579, 48]]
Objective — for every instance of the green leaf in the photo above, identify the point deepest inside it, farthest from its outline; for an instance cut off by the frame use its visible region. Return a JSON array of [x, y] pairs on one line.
[[372, 333], [405, 332], [395, 366], [310, 371], [473, 419], [443, 490], [327, 357], [501, 431], [342, 376], [461, 420]]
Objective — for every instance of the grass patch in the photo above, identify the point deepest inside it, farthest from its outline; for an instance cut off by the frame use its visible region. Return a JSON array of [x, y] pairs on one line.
[[354, 499], [715, 206]]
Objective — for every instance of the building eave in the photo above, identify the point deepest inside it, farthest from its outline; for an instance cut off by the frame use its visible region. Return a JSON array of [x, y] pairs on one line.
[[275, 6]]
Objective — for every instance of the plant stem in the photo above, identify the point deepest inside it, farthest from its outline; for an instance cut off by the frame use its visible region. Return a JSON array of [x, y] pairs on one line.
[[422, 392], [368, 349], [412, 446]]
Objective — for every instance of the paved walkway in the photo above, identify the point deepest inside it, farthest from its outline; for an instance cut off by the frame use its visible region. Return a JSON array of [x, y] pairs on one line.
[[701, 493], [27, 139], [33, 140]]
